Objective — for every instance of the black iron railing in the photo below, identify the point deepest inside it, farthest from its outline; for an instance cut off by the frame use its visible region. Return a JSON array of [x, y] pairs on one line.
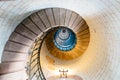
[[34, 66]]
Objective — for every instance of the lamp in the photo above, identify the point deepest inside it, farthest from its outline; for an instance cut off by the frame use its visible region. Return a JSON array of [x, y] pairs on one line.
[[63, 73]]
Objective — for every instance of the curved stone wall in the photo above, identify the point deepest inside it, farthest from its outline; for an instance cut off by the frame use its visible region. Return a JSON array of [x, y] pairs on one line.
[[101, 60]]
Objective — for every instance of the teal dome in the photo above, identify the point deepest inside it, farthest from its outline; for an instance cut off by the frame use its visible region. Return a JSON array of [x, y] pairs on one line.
[[64, 39]]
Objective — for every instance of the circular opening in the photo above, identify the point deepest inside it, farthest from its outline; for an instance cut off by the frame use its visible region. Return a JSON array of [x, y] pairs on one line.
[[64, 30]]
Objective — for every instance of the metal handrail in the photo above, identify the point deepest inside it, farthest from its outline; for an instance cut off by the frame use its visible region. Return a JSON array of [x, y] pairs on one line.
[[31, 66], [34, 62]]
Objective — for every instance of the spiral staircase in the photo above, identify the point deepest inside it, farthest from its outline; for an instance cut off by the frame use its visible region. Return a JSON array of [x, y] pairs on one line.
[[22, 31], [29, 36]]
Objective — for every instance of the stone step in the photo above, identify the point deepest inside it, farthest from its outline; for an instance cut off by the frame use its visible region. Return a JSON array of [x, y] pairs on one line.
[[19, 75], [12, 56], [11, 67]]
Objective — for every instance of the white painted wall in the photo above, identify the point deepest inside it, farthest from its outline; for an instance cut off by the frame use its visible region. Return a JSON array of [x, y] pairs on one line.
[[101, 60]]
